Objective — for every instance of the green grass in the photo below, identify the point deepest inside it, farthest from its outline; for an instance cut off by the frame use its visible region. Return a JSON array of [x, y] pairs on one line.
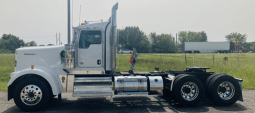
[[7, 62], [238, 65]]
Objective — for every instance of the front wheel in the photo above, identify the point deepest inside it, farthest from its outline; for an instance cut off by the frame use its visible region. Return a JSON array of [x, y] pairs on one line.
[[31, 94], [188, 90]]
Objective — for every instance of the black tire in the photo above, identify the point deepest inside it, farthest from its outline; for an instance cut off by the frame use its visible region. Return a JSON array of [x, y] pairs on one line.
[[179, 88], [45, 94], [208, 80], [215, 89], [167, 92], [51, 99]]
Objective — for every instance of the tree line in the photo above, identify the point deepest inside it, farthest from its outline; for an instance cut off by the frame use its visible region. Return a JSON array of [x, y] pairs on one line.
[[132, 37]]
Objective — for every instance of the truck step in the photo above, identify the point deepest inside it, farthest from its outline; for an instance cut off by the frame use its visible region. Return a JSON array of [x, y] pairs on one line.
[[92, 79], [92, 83], [132, 93], [91, 94], [92, 86], [94, 90]]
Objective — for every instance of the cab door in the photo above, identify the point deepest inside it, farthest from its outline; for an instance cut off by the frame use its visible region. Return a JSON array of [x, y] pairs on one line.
[[90, 51]]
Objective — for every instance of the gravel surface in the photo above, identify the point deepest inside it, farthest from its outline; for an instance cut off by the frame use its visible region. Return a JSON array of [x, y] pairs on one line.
[[126, 104]]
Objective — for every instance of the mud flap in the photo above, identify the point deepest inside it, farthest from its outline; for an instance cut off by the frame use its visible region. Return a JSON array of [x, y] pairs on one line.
[[240, 84], [9, 93]]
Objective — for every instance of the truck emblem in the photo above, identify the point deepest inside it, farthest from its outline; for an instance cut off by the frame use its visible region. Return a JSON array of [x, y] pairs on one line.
[[29, 54]]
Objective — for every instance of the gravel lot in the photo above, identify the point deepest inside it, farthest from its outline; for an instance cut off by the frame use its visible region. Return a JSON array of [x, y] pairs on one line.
[[122, 104]]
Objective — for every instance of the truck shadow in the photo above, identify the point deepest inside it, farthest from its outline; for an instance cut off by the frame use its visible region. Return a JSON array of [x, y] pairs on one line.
[[129, 104]]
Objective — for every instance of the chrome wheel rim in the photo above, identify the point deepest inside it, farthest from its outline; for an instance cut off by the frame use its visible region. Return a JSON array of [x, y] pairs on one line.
[[226, 90], [31, 95], [189, 91]]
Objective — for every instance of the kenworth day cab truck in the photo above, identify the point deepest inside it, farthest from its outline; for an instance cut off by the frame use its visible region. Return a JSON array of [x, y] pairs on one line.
[[86, 68]]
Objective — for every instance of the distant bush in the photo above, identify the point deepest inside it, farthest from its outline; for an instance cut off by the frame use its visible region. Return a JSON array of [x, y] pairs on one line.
[[6, 51]]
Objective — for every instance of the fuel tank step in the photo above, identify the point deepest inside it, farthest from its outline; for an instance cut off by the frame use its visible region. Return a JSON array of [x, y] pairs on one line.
[[92, 86]]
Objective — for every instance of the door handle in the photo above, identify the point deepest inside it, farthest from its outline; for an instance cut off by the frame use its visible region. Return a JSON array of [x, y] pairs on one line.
[[98, 62]]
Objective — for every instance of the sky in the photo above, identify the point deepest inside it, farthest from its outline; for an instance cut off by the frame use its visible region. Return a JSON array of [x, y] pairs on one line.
[[40, 20]]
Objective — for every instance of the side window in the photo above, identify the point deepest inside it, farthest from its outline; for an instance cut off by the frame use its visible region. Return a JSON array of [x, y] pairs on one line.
[[89, 37]]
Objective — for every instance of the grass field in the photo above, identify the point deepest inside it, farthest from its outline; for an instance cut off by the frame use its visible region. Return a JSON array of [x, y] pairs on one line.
[[238, 65], [7, 62]]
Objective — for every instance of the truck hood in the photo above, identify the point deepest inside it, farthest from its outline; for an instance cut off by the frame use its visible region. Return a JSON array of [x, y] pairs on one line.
[[42, 56], [36, 48]]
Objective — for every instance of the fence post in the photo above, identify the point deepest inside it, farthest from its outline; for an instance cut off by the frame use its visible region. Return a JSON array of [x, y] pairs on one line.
[[1, 84], [185, 58], [213, 58], [193, 60]]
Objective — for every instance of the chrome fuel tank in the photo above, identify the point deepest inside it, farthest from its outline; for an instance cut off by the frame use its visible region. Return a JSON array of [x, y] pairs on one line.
[[156, 84], [130, 84]]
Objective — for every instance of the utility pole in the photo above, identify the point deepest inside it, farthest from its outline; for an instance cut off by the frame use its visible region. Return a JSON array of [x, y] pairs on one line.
[[56, 38], [59, 38], [68, 22]]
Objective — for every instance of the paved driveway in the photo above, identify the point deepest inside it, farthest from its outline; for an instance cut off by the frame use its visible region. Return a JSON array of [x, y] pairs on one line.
[[124, 104]]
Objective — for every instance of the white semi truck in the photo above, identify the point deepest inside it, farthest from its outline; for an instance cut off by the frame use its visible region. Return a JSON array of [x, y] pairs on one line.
[[86, 68]]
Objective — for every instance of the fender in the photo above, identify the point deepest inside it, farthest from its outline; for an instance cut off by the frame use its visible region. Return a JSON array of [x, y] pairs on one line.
[[47, 74]]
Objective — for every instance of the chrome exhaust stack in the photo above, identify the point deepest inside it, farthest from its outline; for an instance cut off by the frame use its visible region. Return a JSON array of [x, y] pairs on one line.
[[114, 36]]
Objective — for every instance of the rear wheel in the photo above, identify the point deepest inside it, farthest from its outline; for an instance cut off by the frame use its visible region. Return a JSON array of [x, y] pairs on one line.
[[208, 80], [31, 94], [188, 90], [225, 90]]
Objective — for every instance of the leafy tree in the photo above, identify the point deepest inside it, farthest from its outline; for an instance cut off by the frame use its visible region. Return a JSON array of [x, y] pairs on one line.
[[250, 46], [240, 37], [9, 42], [133, 37], [6, 36], [164, 44], [191, 36], [203, 37], [153, 39], [31, 43], [253, 47]]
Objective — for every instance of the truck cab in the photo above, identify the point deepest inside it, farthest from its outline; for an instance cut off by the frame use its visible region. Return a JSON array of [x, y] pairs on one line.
[[92, 46]]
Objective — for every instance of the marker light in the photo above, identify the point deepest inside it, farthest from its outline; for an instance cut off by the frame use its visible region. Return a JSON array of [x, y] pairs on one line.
[[32, 66], [82, 23]]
